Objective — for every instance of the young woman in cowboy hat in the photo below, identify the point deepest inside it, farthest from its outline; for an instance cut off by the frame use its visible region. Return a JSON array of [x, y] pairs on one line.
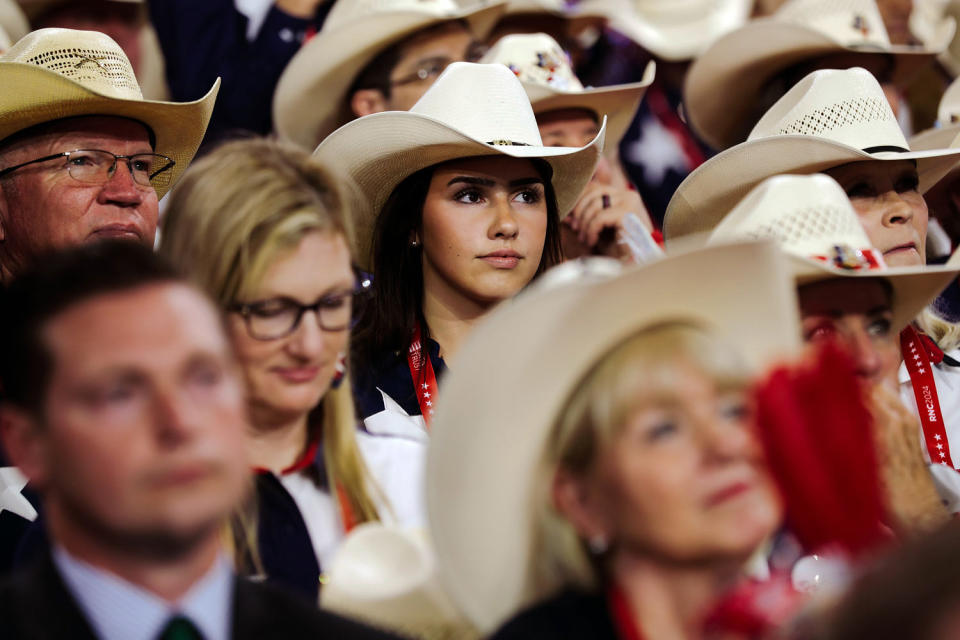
[[260, 227], [569, 116], [615, 482], [457, 209]]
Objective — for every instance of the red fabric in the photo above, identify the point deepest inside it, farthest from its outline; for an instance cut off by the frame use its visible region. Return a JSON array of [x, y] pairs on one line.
[[623, 618], [817, 433], [755, 608], [304, 461]]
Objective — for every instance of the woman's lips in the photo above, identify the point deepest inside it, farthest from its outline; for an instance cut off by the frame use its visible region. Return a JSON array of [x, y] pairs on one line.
[[504, 259], [908, 246], [727, 493], [297, 375]]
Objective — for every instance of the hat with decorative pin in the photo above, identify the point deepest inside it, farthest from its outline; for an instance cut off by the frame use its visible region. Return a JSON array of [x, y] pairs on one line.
[[828, 119], [471, 110], [814, 222], [51, 74], [548, 78], [728, 83], [312, 95]]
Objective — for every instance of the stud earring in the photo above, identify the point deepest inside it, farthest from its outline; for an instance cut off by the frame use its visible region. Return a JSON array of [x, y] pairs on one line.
[[598, 544], [414, 243]]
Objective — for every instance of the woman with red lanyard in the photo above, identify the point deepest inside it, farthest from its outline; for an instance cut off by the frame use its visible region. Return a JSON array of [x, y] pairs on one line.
[[457, 210], [615, 484], [260, 227]]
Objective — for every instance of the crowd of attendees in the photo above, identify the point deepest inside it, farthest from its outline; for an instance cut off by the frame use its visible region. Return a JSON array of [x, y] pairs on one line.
[[462, 319]]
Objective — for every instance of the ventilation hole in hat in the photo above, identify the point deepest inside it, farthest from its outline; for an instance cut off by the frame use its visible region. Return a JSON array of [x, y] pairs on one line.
[[840, 114], [823, 223], [88, 66]]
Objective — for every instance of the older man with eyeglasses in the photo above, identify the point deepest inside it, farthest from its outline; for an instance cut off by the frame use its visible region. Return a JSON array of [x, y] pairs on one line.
[[82, 155]]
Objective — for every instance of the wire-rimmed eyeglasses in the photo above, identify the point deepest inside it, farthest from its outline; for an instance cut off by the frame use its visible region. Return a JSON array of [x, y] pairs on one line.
[[96, 166]]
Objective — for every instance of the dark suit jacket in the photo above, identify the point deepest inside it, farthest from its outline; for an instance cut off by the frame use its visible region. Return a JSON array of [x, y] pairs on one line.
[[571, 615], [35, 605]]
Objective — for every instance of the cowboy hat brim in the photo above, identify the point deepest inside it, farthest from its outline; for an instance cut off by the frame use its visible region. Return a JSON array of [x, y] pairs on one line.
[[941, 138], [311, 96], [913, 287], [619, 103], [44, 96], [712, 190], [675, 40], [381, 150], [723, 85], [511, 379]]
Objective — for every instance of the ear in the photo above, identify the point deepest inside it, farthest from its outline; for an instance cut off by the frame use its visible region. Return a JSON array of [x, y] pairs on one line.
[[576, 500], [367, 101], [24, 444]]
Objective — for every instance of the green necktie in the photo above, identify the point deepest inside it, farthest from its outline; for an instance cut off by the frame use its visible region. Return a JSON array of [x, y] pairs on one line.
[[180, 628]]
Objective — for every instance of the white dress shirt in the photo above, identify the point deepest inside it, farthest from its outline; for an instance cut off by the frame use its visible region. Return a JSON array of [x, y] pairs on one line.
[[119, 610]]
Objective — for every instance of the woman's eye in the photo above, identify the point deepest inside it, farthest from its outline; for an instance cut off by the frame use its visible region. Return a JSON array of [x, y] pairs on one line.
[[861, 190], [270, 309], [907, 183], [334, 302], [468, 196], [661, 430], [735, 410], [879, 327], [206, 375], [529, 196], [823, 331]]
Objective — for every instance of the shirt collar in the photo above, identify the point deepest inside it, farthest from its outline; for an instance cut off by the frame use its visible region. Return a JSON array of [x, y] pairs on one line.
[[119, 610]]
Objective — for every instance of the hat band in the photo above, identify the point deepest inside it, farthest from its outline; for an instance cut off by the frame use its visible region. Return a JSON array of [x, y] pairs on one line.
[[850, 259], [886, 147], [508, 143]]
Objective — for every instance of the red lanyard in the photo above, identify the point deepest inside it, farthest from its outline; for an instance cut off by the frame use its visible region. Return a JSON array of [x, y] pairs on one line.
[[424, 381], [920, 368], [623, 620]]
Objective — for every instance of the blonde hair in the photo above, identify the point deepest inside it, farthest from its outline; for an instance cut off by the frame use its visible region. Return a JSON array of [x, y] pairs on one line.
[[946, 334], [237, 210], [602, 402]]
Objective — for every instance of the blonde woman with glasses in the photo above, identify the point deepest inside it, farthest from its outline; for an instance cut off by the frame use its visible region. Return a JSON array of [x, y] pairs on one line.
[[260, 227]]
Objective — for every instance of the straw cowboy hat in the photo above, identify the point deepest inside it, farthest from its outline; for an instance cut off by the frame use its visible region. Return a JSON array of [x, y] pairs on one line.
[[948, 122], [311, 95], [62, 73], [471, 110], [387, 577], [674, 29], [829, 118], [545, 72], [517, 370], [812, 220], [726, 84]]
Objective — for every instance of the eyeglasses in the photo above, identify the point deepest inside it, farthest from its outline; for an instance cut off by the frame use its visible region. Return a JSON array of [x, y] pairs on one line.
[[279, 317], [428, 70], [95, 166]]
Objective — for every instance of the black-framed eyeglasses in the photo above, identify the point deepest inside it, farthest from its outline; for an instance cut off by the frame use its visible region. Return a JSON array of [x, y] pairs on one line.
[[279, 317], [96, 166]]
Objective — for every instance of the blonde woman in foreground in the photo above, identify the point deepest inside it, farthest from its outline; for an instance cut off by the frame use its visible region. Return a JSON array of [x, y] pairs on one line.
[[261, 228]]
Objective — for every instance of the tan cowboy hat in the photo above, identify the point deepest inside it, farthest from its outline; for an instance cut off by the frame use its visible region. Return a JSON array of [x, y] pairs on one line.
[[726, 84], [829, 118], [814, 223], [52, 74], [948, 122], [674, 29], [387, 577], [516, 372], [471, 110], [545, 72], [312, 93]]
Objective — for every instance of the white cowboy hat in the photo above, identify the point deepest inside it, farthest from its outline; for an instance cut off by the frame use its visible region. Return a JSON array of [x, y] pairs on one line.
[[387, 577], [517, 370], [545, 72], [311, 95], [829, 118], [62, 73], [674, 29], [471, 110], [948, 122], [725, 86], [812, 220]]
